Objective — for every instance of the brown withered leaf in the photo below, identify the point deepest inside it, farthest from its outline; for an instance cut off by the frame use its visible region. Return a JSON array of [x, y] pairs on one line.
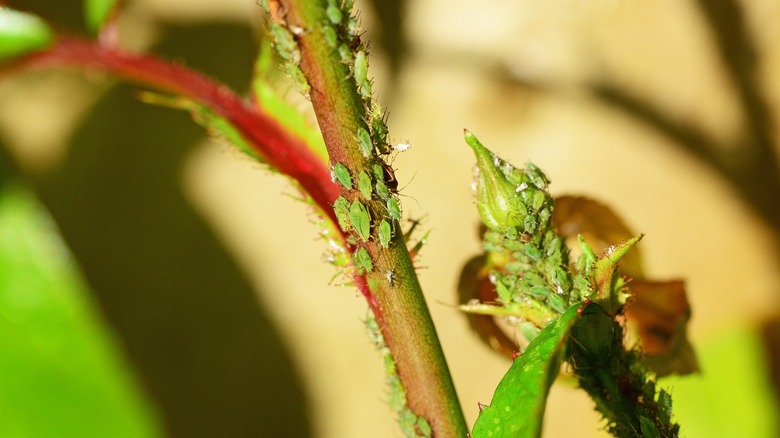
[[474, 284], [598, 225], [658, 312]]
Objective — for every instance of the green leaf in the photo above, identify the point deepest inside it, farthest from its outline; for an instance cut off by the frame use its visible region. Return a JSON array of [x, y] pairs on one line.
[[62, 372], [517, 409], [269, 101], [97, 12], [217, 127], [21, 33]]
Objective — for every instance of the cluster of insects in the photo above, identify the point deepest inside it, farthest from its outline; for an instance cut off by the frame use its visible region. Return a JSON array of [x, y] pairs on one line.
[[376, 182]]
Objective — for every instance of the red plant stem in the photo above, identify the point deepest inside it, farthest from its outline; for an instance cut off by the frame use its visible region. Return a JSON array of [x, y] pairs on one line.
[[281, 149]]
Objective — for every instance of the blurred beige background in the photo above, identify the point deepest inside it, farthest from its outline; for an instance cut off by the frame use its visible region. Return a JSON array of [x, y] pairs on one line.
[[518, 74]]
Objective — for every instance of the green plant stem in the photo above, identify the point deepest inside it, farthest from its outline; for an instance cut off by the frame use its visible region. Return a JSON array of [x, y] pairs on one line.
[[401, 310], [613, 377]]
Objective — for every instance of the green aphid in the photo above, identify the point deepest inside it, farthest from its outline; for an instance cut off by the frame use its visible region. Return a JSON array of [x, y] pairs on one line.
[[360, 220], [362, 261], [345, 54], [532, 252], [285, 43], [299, 79], [385, 233], [538, 200], [556, 302], [537, 177], [529, 224], [379, 134], [539, 292], [352, 26], [360, 68], [382, 190], [365, 90], [331, 37], [341, 208], [334, 14], [393, 209], [364, 184], [424, 427], [342, 175], [379, 174], [364, 142]]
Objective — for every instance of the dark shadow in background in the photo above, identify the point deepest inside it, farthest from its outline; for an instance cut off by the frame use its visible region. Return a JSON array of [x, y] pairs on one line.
[[187, 317]]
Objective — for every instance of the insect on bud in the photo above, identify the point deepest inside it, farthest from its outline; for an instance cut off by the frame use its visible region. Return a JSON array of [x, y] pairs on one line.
[[498, 203]]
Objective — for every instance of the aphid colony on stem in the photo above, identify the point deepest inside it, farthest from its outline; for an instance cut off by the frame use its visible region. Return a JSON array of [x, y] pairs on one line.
[[365, 192]]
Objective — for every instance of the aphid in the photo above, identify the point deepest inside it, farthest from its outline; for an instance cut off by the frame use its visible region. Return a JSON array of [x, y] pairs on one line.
[[362, 261], [393, 209], [364, 184], [532, 252], [334, 13], [297, 30], [364, 142], [378, 172], [402, 147], [538, 200], [285, 43], [379, 132], [342, 175], [360, 220], [556, 302], [385, 233], [360, 68], [299, 79], [365, 90], [331, 38], [382, 190], [345, 54], [389, 177], [516, 354], [353, 27], [390, 276], [341, 208]]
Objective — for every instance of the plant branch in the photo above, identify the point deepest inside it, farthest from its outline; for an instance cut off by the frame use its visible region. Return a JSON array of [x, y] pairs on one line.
[[281, 149], [403, 315]]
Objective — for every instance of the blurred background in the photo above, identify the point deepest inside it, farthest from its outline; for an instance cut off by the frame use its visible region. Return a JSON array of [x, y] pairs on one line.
[[155, 283]]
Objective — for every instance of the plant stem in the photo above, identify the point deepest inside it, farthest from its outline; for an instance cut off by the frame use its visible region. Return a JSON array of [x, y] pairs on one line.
[[283, 150], [402, 313]]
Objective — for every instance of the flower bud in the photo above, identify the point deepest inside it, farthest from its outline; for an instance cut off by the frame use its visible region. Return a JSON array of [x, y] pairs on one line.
[[497, 200]]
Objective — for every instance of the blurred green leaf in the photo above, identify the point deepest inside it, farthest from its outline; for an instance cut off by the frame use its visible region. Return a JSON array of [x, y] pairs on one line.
[[268, 100], [517, 409], [732, 397], [21, 33], [97, 12], [60, 373]]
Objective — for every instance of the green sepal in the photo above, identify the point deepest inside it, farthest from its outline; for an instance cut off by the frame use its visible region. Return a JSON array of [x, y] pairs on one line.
[[22, 33], [518, 404], [608, 288]]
